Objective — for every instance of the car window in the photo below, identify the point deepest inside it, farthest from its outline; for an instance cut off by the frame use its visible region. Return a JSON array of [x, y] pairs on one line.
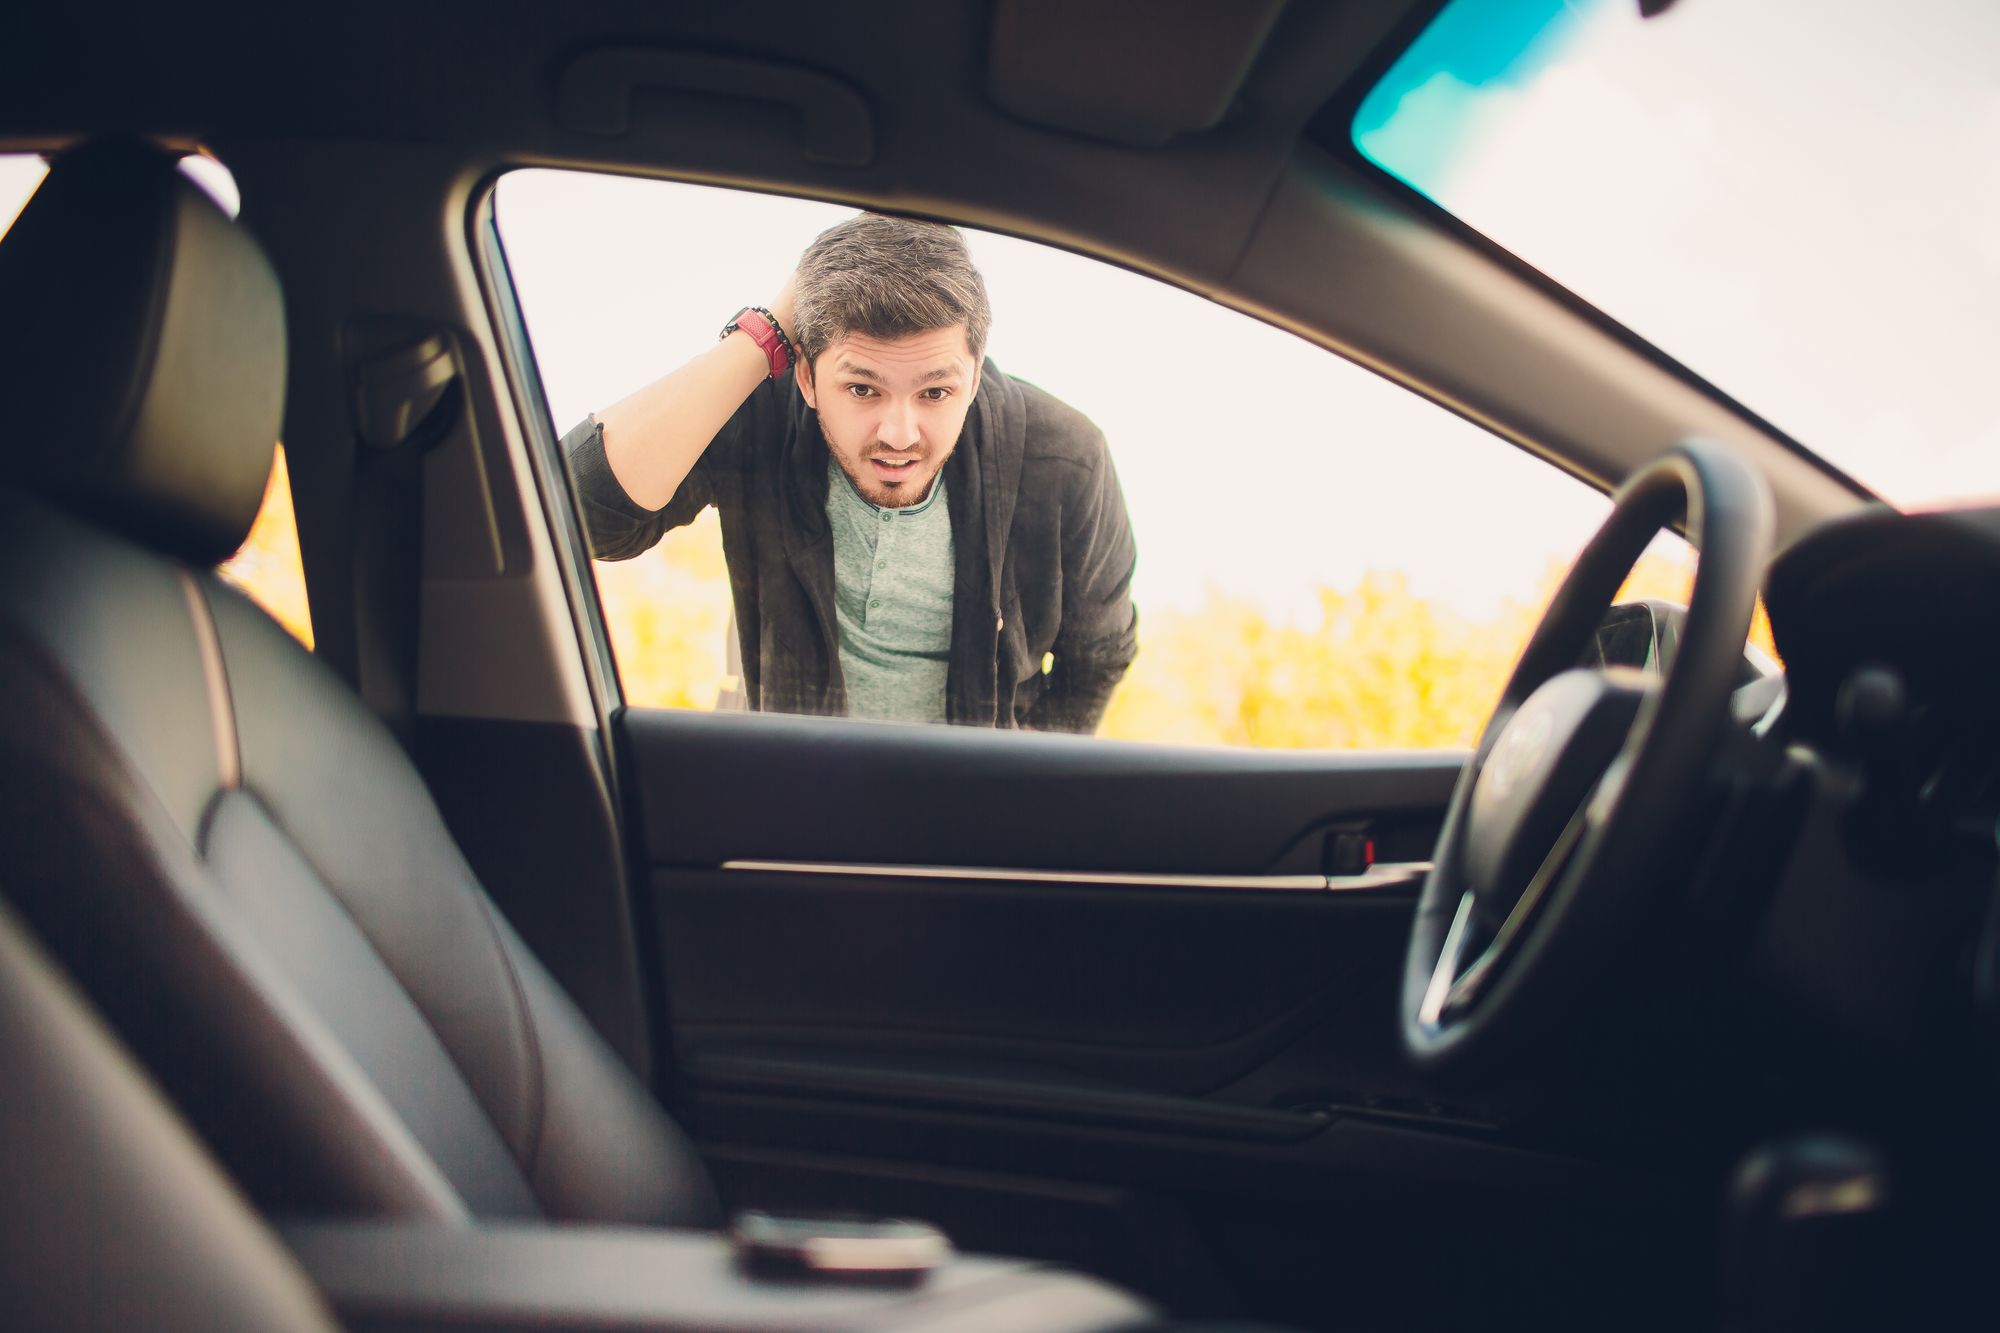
[[1795, 199], [1323, 558], [267, 567], [20, 174]]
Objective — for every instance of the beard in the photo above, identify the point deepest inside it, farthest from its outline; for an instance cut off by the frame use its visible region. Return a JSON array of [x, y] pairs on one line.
[[894, 493]]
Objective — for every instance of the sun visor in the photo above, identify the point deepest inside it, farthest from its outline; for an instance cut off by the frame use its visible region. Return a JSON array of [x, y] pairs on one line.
[[1134, 72]]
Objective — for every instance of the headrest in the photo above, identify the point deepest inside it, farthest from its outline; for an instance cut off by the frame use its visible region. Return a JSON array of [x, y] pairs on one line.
[[142, 353]]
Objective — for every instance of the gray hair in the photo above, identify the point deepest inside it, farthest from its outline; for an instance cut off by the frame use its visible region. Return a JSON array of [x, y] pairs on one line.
[[886, 277]]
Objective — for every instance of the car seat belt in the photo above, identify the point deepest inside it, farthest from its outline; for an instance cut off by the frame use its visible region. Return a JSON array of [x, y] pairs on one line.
[[406, 400]]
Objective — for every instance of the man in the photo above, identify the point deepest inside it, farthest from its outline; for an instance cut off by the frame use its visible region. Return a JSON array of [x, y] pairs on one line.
[[911, 535]]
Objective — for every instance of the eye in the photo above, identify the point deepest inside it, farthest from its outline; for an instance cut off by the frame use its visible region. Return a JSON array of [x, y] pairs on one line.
[[861, 390], [936, 395]]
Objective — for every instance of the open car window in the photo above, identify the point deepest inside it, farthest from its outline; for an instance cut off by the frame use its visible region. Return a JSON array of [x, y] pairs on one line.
[[1324, 559]]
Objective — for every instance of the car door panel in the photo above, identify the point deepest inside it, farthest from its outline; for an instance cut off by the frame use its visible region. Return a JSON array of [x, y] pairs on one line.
[[720, 787], [1083, 1000], [1171, 991], [1048, 928]]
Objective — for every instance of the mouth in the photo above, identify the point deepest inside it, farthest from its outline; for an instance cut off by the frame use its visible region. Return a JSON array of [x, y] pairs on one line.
[[893, 469]]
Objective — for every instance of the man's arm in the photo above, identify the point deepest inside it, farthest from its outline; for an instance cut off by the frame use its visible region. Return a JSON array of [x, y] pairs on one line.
[[633, 458], [1099, 635], [653, 437]]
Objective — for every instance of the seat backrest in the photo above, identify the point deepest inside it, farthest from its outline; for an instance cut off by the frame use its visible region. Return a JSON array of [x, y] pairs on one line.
[[112, 1216], [225, 847]]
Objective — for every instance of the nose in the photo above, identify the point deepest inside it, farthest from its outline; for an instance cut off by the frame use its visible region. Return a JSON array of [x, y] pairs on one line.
[[900, 428]]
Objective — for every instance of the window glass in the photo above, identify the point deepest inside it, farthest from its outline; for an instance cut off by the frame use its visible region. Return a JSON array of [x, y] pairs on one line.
[[20, 174], [1324, 559], [1796, 199]]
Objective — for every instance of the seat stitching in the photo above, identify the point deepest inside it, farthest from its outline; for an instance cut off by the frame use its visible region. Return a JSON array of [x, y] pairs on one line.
[[538, 1117], [327, 1063], [215, 675]]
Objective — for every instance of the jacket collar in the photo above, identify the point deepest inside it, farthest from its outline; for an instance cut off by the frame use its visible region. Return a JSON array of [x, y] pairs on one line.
[[804, 469], [997, 429]]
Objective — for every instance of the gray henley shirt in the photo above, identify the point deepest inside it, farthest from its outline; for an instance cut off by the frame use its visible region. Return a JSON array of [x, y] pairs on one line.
[[892, 582]]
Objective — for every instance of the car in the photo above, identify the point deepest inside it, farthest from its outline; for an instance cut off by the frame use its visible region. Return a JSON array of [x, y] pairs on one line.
[[1665, 995]]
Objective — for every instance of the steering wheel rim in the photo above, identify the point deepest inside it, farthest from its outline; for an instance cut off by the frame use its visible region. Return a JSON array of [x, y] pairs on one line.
[[1488, 964]]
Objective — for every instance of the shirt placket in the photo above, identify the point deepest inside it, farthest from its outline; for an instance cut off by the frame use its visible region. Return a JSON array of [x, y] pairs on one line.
[[885, 541]]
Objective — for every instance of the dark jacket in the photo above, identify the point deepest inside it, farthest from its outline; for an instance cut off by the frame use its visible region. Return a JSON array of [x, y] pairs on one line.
[[1041, 542]]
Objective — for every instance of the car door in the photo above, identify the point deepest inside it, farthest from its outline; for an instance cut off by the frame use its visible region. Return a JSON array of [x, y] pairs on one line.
[[1126, 1000]]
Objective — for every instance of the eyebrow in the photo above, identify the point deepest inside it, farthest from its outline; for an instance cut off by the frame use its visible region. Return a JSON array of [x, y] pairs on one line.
[[864, 373]]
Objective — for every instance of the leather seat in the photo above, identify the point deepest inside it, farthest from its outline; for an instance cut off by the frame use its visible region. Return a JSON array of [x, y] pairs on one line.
[[226, 849], [110, 1215]]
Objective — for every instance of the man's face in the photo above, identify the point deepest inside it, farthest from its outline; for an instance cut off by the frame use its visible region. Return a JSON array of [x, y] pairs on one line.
[[892, 411]]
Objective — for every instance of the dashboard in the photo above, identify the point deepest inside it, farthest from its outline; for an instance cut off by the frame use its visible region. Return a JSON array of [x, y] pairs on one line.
[[1889, 625], [1886, 920]]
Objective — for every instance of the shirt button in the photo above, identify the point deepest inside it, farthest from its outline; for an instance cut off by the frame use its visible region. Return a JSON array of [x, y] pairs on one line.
[[888, 517], [874, 605]]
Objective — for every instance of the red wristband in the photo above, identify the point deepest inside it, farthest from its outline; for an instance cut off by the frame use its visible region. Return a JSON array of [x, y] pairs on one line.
[[763, 328]]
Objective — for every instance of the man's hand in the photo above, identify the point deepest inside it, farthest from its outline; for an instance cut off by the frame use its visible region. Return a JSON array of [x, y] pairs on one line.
[[653, 437]]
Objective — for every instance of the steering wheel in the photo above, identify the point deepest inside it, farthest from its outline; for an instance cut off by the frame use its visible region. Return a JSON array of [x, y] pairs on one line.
[[1587, 783]]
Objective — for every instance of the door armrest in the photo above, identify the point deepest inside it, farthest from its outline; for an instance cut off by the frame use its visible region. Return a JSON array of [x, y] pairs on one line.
[[510, 1278]]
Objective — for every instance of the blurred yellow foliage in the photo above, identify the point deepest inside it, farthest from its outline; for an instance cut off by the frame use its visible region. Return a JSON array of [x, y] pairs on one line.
[[266, 567], [667, 613], [1380, 668]]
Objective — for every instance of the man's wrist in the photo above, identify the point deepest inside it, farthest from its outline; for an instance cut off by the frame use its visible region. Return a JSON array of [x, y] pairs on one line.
[[780, 311], [762, 327]]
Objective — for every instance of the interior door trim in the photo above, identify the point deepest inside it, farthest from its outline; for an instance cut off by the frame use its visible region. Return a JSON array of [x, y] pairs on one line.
[[905, 1089], [1384, 875]]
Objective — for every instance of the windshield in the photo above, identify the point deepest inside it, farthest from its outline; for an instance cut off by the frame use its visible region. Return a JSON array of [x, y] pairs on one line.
[[1798, 200]]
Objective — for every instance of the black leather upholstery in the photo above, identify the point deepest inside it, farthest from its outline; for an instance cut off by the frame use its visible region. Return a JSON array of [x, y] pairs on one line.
[[110, 1215], [224, 846], [143, 346]]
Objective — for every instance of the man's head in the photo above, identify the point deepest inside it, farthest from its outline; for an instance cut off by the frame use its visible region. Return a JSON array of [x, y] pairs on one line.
[[892, 320]]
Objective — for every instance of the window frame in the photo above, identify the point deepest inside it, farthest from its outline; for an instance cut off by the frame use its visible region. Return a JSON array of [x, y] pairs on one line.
[[562, 506]]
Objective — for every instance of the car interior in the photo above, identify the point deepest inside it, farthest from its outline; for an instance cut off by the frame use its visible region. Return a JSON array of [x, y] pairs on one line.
[[416, 980]]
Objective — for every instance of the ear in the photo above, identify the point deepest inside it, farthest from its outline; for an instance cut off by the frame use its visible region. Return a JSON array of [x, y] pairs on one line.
[[802, 372], [977, 367]]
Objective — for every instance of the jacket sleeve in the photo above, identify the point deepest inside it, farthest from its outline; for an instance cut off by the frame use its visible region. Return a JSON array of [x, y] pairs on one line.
[[616, 526], [1099, 636]]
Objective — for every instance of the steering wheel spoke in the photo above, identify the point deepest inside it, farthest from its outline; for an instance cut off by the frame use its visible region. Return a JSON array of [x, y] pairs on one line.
[[1447, 974], [1453, 988]]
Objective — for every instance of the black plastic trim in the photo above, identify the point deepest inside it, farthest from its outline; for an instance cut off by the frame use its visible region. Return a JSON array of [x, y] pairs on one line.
[[1069, 1103]]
